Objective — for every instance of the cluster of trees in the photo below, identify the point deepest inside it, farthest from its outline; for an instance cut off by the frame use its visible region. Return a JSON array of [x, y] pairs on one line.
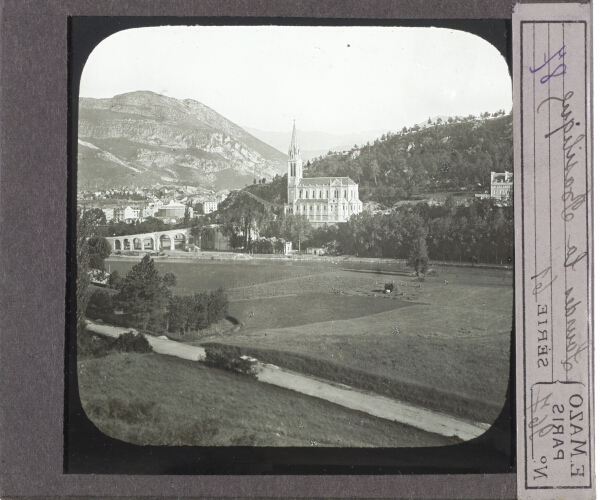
[[482, 230], [246, 220], [274, 191], [145, 298], [186, 313], [268, 245], [98, 249], [242, 216], [458, 154], [122, 228], [143, 294]]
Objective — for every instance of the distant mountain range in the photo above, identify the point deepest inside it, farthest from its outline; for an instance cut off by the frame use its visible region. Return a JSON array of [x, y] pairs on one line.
[[314, 144], [142, 138]]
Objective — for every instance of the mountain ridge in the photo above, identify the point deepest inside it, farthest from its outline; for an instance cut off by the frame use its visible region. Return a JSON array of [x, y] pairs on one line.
[[143, 138]]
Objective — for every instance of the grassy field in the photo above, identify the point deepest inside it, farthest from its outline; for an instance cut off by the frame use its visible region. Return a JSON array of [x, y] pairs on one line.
[[449, 351], [266, 313], [148, 399], [443, 343], [199, 275]]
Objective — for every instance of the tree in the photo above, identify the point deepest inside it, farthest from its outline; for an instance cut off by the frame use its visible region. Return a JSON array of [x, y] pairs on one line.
[[297, 227], [143, 292], [243, 214], [418, 257], [100, 303], [96, 217], [82, 257], [416, 233], [170, 279], [98, 249], [186, 216], [373, 170], [114, 280], [199, 225]]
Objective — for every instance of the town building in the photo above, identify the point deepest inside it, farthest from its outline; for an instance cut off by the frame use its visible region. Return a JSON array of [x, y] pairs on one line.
[[209, 206], [126, 214], [109, 213], [501, 185], [324, 200], [172, 210]]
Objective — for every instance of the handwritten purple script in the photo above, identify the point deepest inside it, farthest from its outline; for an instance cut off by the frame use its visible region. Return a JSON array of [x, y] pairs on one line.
[[561, 69]]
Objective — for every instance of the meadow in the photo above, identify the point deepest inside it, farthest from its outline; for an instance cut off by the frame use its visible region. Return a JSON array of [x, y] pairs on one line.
[[149, 399], [443, 343]]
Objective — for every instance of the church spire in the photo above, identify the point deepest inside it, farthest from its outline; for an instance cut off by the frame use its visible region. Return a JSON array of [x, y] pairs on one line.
[[294, 151]]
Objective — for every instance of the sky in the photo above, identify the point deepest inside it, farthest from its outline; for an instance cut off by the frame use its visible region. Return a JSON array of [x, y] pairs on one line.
[[339, 80]]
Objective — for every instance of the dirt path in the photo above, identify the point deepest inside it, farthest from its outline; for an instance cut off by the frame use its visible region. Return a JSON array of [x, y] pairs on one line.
[[161, 346], [378, 406]]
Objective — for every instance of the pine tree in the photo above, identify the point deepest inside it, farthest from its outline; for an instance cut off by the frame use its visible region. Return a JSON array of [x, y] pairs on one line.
[[143, 291]]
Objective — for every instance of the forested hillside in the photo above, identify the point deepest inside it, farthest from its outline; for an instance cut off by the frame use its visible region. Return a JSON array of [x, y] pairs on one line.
[[439, 156]]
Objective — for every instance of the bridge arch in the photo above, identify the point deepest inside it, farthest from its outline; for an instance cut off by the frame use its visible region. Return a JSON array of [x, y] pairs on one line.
[[148, 243], [178, 241], [138, 244], [166, 242]]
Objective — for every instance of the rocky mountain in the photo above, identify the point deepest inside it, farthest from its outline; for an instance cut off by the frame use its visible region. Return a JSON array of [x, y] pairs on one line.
[[143, 138]]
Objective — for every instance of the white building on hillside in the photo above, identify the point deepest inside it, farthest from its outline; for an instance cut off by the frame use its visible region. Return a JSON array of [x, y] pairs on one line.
[[501, 185], [126, 214], [209, 206]]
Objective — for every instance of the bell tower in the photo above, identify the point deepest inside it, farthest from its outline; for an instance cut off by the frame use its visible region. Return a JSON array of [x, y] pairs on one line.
[[294, 166]]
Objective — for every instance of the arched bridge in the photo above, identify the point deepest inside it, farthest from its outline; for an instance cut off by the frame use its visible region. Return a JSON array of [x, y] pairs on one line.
[[174, 239]]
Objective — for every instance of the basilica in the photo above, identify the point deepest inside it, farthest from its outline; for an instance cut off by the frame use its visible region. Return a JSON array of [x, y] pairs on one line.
[[324, 200]]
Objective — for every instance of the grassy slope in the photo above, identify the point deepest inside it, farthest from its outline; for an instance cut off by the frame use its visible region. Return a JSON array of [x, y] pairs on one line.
[[266, 313], [153, 399], [450, 351]]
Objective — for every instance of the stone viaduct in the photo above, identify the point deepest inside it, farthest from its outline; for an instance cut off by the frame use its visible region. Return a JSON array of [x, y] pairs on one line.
[[174, 239]]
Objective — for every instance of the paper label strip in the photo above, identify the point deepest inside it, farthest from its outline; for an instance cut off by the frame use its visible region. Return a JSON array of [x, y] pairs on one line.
[[553, 250]]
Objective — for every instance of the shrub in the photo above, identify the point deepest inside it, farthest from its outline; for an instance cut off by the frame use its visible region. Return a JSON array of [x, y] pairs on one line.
[[114, 280], [98, 346], [219, 359], [170, 279], [97, 262], [196, 312], [92, 346], [132, 342], [100, 303]]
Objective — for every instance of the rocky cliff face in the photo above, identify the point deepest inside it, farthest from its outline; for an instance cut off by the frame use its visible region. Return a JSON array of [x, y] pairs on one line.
[[142, 138]]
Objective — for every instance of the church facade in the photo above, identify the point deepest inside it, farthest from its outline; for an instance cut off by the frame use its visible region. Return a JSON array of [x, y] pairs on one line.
[[324, 200]]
